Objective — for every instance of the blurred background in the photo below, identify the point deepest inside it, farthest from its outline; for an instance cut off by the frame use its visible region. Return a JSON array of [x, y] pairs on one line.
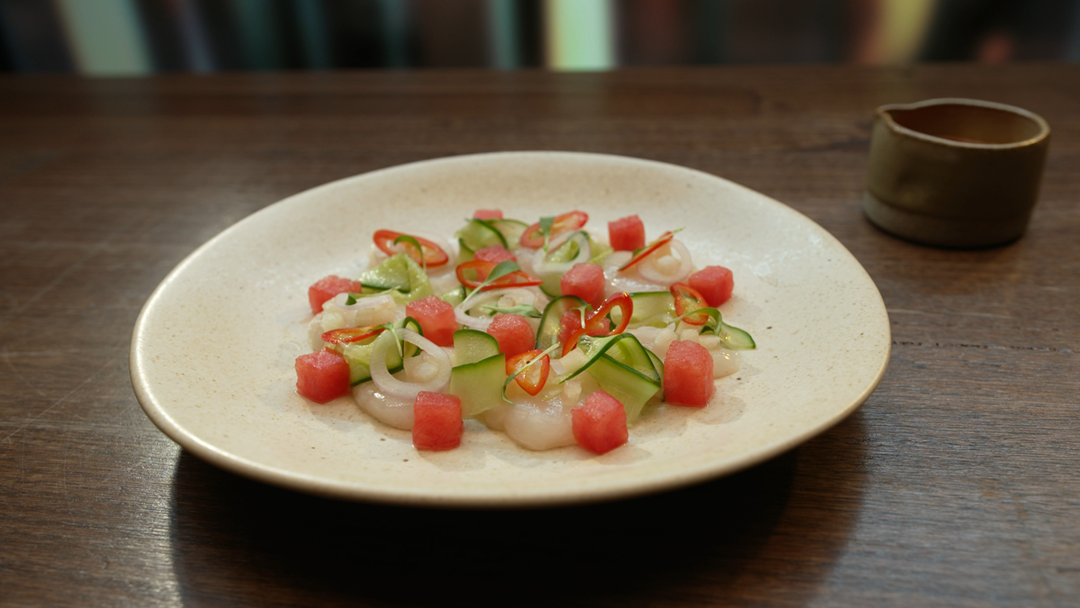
[[137, 37]]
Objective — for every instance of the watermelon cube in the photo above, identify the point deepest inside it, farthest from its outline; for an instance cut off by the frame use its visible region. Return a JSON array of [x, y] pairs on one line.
[[714, 282], [585, 281], [438, 425], [488, 214], [626, 234], [513, 333], [328, 287], [688, 374], [322, 376], [436, 318], [493, 254], [599, 425]]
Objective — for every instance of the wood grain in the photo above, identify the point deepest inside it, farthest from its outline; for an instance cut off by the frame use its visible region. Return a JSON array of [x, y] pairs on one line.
[[956, 484]]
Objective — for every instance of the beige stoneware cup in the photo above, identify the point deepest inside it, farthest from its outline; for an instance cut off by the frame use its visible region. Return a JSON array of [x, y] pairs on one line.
[[957, 173]]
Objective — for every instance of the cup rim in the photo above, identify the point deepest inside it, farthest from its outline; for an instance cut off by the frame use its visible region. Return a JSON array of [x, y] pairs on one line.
[[1044, 127]]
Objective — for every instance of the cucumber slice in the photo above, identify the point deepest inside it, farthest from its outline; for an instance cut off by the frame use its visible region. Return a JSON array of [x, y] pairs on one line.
[[652, 308], [636, 355], [600, 251], [629, 386], [479, 385], [510, 229], [464, 253], [455, 296], [471, 345], [358, 356], [735, 338], [732, 337], [478, 234], [401, 276], [632, 354], [547, 333]]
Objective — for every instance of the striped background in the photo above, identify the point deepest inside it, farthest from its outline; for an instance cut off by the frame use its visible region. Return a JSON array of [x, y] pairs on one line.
[[135, 37]]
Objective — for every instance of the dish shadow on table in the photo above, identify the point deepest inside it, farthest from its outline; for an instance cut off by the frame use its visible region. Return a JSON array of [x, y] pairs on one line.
[[776, 526]]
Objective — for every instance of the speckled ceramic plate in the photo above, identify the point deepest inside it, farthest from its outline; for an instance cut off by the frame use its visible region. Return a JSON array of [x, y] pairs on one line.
[[213, 349]]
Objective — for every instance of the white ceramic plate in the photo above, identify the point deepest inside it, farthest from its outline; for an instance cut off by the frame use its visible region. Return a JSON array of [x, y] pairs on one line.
[[213, 349]]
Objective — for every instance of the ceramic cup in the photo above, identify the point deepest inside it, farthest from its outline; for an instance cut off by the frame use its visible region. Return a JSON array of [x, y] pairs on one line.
[[955, 172]]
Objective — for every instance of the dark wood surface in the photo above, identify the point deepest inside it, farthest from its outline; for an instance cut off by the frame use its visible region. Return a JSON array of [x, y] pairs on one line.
[[956, 484]]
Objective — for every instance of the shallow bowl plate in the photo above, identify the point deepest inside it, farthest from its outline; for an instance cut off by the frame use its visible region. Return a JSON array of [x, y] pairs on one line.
[[213, 349]]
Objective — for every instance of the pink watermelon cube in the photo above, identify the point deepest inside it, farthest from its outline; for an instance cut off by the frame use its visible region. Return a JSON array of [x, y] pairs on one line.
[[585, 281], [715, 283], [688, 374], [436, 317], [328, 287], [438, 425], [626, 234], [488, 214], [322, 376], [513, 333], [493, 254], [599, 425]]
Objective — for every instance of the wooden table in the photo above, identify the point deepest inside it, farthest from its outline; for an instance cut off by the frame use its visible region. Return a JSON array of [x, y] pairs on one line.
[[956, 484]]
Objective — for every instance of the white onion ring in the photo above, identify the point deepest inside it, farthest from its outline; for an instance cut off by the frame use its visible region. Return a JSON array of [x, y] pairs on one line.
[[543, 266], [650, 272], [391, 386], [462, 316]]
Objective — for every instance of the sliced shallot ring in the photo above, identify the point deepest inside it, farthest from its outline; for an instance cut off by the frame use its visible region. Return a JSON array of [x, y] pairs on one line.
[[648, 271], [462, 316], [391, 386]]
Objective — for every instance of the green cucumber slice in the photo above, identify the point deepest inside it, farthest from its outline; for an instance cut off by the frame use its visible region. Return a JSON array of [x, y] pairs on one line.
[[547, 333], [358, 356], [472, 345], [479, 385], [651, 308], [477, 234], [454, 296], [510, 229], [632, 354], [731, 336], [629, 386], [636, 356], [734, 338], [401, 276]]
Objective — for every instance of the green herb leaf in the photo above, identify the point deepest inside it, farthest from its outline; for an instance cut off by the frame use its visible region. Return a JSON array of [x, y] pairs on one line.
[[545, 229], [525, 310], [501, 270], [351, 299], [411, 240]]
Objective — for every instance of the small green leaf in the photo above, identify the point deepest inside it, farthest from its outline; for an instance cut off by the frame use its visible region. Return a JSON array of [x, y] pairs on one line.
[[501, 270], [351, 299], [545, 229], [415, 243], [525, 310]]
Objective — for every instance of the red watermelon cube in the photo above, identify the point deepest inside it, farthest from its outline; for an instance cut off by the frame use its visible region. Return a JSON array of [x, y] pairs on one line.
[[322, 376], [488, 214], [436, 317], [626, 234], [493, 254], [585, 281], [328, 287], [599, 425], [688, 374], [715, 283], [513, 333], [438, 425]]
